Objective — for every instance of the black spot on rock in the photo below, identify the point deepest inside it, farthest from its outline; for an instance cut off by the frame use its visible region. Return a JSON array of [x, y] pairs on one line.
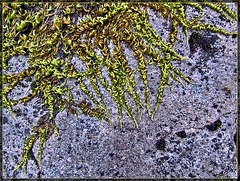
[[69, 149], [27, 131], [204, 41], [5, 120], [111, 154], [40, 174], [184, 93], [191, 175], [235, 70], [193, 69], [164, 24], [18, 112], [181, 134], [17, 125], [162, 159], [35, 113], [216, 146], [116, 174], [205, 78], [196, 119], [148, 151], [214, 126], [141, 88], [215, 105], [219, 135], [161, 144], [214, 140], [200, 71], [235, 138], [79, 167], [222, 18]]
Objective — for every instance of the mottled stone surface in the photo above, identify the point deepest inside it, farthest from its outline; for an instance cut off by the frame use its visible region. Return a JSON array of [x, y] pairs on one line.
[[191, 135]]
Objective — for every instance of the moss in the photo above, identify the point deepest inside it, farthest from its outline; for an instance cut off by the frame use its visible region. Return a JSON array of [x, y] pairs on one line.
[[25, 27], [48, 33]]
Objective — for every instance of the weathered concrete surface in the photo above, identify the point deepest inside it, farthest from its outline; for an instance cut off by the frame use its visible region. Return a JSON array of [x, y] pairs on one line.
[[196, 123]]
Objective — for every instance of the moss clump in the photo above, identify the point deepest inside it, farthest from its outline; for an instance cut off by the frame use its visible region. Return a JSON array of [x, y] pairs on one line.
[[50, 33], [25, 27]]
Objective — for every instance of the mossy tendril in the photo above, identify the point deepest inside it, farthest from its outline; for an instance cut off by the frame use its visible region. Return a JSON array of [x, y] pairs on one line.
[[51, 34]]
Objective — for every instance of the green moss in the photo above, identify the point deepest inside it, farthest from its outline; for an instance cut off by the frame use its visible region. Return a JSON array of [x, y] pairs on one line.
[[48, 33], [25, 27]]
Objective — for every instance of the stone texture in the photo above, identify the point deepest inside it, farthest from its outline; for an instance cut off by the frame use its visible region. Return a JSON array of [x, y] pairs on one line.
[[191, 135]]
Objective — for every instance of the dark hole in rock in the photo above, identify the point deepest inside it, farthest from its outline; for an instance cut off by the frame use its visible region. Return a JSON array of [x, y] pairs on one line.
[[161, 144], [215, 105], [214, 126], [219, 135], [191, 175], [181, 134], [5, 120], [234, 36], [235, 138], [148, 151]]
